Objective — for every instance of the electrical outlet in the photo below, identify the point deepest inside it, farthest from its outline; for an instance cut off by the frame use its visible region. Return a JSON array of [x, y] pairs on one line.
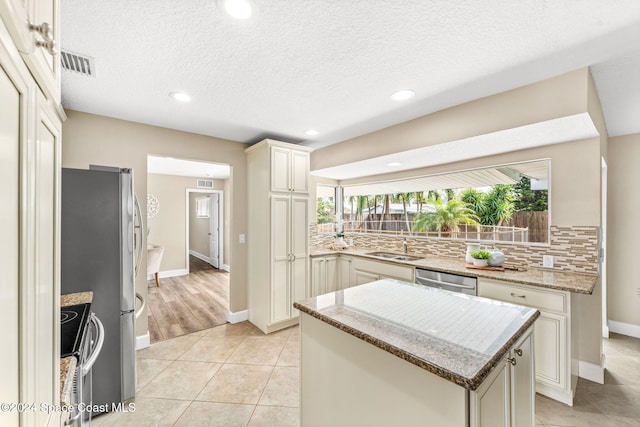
[[547, 261]]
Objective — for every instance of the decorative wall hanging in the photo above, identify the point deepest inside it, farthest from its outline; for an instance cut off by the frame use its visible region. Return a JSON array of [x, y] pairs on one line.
[[153, 206]]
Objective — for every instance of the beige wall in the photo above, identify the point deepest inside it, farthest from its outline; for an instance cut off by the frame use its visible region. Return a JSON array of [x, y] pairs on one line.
[[623, 231], [575, 166], [557, 97], [91, 139], [168, 227]]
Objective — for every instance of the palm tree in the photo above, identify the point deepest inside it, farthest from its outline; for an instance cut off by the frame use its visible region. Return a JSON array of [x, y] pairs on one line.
[[405, 197], [420, 200], [492, 208], [385, 209], [445, 218]]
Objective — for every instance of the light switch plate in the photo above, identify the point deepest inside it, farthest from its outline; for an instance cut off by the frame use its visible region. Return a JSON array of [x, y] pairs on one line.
[[241, 238], [547, 261]]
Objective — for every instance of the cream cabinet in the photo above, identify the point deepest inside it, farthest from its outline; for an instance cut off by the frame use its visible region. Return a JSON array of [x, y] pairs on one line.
[[364, 385], [346, 276], [507, 397], [30, 128], [35, 29], [523, 382], [554, 346], [277, 238], [290, 172], [324, 275], [341, 271], [366, 270]]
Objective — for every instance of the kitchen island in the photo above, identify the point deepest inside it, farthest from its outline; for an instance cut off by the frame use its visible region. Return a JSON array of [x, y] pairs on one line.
[[397, 353]]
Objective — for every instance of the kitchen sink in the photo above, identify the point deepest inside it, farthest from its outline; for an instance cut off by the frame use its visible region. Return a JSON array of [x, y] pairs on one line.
[[396, 257], [407, 258], [383, 254]]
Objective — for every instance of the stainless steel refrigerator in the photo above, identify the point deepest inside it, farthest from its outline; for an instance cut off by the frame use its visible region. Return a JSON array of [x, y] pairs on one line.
[[99, 243]]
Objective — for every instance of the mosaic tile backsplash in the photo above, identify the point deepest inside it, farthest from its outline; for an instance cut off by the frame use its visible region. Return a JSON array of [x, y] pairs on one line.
[[573, 248]]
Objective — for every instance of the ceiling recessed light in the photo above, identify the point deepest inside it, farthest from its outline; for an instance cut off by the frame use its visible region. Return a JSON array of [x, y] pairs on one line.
[[180, 96], [394, 164], [311, 132], [403, 95], [239, 9]]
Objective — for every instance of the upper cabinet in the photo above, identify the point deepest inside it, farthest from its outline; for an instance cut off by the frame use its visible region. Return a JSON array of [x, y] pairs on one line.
[[30, 153], [34, 26], [289, 169], [278, 233]]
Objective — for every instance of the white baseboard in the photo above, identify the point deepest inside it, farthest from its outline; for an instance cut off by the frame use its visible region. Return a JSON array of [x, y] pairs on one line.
[[206, 259], [591, 371], [143, 341], [624, 328], [169, 273], [555, 394], [238, 316], [199, 256]]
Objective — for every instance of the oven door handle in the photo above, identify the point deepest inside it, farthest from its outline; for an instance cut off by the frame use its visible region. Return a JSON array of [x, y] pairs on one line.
[[96, 347], [453, 285]]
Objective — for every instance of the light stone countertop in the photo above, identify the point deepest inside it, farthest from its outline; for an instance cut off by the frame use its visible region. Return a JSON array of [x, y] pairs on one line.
[[68, 364], [579, 283], [458, 337], [76, 298], [67, 369]]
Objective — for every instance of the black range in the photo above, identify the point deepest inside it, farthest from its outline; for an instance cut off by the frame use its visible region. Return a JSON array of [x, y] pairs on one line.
[[73, 322]]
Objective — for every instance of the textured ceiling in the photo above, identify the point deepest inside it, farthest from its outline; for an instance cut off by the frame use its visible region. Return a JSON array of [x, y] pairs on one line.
[[331, 65]]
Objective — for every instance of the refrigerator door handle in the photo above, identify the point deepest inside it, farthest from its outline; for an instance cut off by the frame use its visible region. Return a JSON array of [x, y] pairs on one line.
[[140, 233]]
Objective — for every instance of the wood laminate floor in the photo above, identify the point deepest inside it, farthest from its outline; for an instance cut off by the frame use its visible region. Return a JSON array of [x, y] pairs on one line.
[[186, 304]]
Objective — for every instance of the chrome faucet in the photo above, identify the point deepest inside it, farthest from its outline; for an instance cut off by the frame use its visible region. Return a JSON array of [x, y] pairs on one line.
[[405, 245]]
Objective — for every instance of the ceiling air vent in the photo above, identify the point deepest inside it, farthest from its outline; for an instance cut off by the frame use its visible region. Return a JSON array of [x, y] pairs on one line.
[[205, 183], [77, 63]]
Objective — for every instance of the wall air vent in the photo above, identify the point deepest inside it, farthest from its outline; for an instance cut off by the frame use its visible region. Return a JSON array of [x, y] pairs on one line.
[[78, 63], [205, 183]]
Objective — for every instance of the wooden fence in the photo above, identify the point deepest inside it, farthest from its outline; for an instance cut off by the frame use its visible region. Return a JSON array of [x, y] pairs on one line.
[[536, 222], [523, 227]]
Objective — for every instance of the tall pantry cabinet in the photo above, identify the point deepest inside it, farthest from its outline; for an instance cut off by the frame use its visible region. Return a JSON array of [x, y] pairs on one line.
[[278, 232], [30, 147]]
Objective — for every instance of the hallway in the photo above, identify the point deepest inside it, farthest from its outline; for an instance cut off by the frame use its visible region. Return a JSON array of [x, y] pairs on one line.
[[186, 304]]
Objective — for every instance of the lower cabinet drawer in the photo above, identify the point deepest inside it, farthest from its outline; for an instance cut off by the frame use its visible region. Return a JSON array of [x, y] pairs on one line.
[[384, 269], [523, 295]]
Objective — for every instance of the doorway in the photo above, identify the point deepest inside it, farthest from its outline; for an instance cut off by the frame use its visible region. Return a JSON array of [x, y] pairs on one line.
[[192, 295], [205, 233]]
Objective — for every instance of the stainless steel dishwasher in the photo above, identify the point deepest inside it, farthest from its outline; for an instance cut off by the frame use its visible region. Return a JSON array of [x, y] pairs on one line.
[[447, 281]]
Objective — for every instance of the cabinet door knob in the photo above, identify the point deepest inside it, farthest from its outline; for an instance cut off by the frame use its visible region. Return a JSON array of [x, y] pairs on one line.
[[518, 351], [517, 296], [512, 360], [46, 32]]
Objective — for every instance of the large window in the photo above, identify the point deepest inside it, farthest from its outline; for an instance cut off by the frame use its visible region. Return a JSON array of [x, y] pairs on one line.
[[499, 203], [325, 208]]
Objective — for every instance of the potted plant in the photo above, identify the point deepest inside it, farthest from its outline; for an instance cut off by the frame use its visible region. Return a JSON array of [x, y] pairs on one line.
[[480, 257]]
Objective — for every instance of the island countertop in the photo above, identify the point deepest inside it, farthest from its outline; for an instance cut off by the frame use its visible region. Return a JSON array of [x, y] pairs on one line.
[[458, 337]]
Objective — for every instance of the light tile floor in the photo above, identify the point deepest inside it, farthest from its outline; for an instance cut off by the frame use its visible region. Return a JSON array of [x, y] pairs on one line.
[[234, 375]]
